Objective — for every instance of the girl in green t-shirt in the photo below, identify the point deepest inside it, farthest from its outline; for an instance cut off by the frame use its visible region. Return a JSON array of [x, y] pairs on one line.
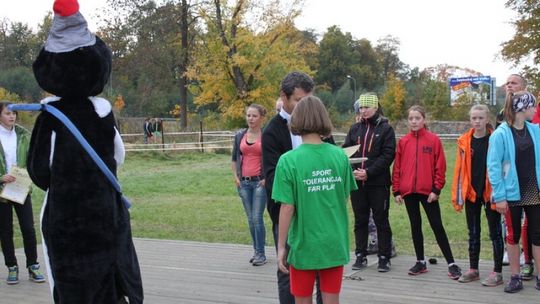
[[313, 183]]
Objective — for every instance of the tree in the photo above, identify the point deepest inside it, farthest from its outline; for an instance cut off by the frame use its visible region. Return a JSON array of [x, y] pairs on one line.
[[388, 51], [244, 54], [336, 58], [151, 45], [393, 100], [119, 103], [366, 68], [436, 98], [18, 45], [21, 81], [524, 47]]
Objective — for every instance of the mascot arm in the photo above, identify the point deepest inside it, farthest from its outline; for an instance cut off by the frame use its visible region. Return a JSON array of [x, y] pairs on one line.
[[119, 149], [40, 154]]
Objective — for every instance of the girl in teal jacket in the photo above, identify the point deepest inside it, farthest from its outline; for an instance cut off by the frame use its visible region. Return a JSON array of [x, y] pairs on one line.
[[513, 163]]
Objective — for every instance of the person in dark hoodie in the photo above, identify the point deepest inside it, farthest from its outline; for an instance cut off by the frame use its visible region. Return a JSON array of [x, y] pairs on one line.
[[85, 225], [376, 140]]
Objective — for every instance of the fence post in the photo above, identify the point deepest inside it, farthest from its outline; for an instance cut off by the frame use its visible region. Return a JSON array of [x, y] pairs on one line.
[[162, 135], [201, 139]]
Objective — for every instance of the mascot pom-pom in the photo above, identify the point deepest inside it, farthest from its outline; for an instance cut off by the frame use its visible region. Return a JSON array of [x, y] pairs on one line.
[[86, 229]]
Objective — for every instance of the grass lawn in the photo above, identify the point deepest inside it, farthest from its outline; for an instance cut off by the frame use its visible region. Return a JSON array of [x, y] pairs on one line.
[[191, 196]]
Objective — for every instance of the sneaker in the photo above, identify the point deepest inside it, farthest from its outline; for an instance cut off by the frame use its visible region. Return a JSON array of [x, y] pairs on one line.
[[252, 258], [514, 285], [361, 262], [527, 272], [505, 258], [494, 279], [454, 272], [418, 268], [259, 260], [469, 276], [13, 275], [34, 274], [384, 264]]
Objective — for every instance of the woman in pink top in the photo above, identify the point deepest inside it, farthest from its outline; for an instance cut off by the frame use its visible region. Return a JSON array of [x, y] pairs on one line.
[[247, 170]]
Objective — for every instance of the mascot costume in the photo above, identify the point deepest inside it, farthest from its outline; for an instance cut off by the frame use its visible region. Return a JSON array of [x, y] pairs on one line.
[[86, 229]]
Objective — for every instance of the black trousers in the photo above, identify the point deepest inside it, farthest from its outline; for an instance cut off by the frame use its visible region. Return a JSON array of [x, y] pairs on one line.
[[513, 224], [473, 212], [433, 212], [26, 222], [377, 200], [284, 280]]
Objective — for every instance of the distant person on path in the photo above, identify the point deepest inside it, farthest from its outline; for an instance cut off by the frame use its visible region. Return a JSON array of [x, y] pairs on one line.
[[276, 141], [14, 141], [147, 130], [157, 128], [377, 142], [313, 183], [249, 180], [513, 164], [417, 179], [472, 191]]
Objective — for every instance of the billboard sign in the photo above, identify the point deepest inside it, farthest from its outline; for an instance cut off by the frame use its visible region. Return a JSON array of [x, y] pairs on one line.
[[472, 90]]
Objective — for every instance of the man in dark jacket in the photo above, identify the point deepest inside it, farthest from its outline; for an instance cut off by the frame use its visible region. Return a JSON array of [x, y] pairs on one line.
[[276, 140], [376, 140]]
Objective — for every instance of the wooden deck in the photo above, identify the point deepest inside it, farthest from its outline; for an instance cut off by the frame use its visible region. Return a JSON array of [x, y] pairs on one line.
[[191, 272]]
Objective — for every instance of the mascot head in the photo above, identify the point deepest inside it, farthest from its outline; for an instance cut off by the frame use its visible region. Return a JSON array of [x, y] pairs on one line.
[[73, 62]]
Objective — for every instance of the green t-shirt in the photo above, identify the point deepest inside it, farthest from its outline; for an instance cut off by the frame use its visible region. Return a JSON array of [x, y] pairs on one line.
[[317, 180]]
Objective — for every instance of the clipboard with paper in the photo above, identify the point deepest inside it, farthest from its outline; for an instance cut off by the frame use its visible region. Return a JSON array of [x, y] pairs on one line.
[[349, 151], [18, 190]]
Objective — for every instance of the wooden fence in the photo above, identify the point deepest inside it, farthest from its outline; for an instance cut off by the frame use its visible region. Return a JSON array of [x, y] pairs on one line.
[[206, 141]]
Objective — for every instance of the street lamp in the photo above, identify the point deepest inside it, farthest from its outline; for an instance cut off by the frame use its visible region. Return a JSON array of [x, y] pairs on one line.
[[354, 86]]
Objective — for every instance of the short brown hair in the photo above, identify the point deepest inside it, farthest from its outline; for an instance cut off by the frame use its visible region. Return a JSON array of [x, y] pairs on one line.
[[310, 116]]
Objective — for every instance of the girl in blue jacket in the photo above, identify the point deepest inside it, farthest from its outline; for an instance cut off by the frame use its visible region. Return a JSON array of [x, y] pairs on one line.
[[513, 163]]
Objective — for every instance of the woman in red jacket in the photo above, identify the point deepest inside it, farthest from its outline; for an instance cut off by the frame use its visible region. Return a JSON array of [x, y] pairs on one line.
[[418, 177]]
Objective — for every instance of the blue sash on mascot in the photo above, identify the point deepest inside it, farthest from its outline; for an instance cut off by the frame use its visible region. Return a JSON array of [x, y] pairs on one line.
[[84, 143]]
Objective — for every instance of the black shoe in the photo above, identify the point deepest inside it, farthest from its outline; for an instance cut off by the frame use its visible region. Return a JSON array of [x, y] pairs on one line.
[[514, 285], [384, 264], [361, 262], [418, 268], [454, 272]]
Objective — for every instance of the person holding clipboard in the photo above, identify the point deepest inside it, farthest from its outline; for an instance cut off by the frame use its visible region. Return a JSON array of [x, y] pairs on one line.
[[14, 141], [375, 139]]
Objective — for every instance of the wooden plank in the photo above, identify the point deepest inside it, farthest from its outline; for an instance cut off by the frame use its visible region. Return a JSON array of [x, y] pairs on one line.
[[197, 273]]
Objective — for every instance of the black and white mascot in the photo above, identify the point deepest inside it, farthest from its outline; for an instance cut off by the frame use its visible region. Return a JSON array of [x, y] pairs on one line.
[[86, 228]]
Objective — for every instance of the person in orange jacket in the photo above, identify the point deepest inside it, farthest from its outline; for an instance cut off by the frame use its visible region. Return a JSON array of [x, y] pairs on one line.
[[471, 190]]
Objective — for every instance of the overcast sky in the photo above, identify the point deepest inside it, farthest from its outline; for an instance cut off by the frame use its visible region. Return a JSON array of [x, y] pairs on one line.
[[465, 33]]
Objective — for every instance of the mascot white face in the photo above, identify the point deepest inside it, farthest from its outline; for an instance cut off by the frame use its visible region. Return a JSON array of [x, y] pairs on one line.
[[86, 228]]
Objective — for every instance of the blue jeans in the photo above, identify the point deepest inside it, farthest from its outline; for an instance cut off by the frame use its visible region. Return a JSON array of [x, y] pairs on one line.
[[254, 199]]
